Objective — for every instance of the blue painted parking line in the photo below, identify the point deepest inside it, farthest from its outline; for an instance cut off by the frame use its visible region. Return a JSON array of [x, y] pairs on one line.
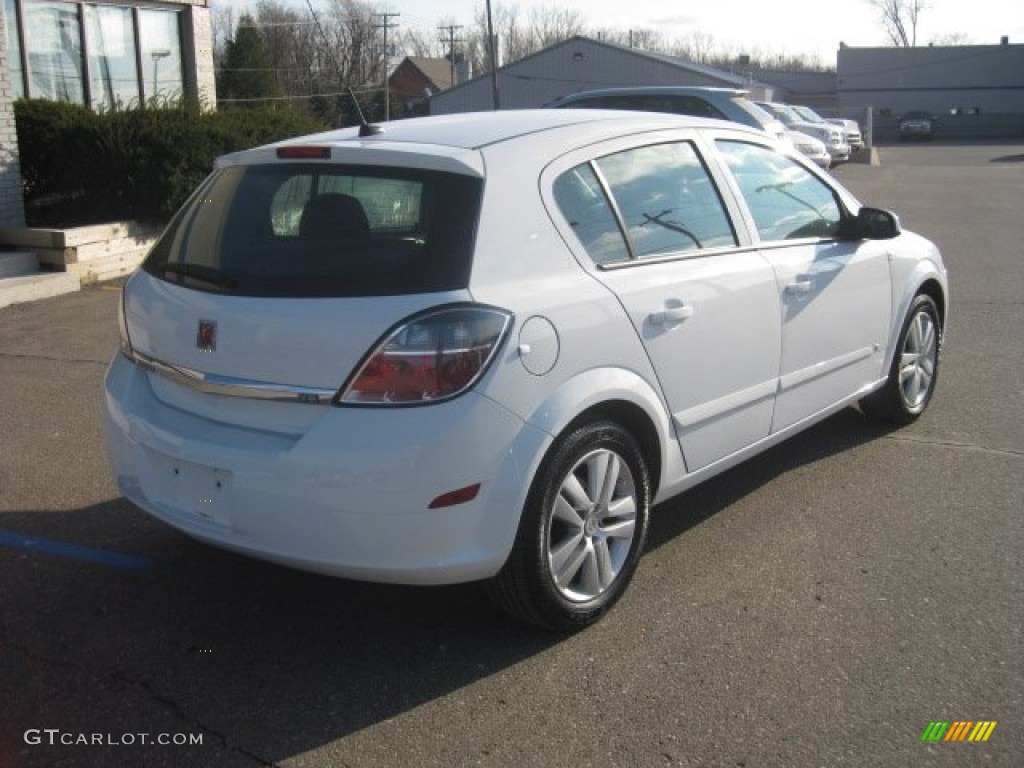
[[74, 551]]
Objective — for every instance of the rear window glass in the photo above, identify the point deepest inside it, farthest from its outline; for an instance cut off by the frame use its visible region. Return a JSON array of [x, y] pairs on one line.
[[302, 229]]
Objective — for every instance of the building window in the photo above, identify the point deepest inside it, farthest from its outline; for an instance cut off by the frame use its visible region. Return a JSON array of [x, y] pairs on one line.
[[113, 73], [104, 56], [54, 46], [160, 42], [14, 48]]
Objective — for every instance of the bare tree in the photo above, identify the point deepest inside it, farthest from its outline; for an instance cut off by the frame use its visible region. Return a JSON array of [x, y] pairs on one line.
[[952, 38], [511, 44], [291, 37], [645, 39], [697, 46], [223, 21], [515, 38], [550, 25], [426, 44], [900, 19]]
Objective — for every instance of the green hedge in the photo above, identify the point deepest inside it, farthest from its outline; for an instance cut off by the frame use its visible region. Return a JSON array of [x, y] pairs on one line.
[[81, 167]]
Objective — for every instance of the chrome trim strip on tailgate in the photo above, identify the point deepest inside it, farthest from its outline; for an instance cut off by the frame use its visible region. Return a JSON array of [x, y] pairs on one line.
[[230, 386]]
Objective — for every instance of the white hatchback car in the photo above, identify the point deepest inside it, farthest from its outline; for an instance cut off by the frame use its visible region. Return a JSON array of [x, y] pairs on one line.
[[481, 346]]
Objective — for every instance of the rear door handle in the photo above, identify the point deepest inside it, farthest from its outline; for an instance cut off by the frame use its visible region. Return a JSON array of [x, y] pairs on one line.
[[676, 314], [799, 287]]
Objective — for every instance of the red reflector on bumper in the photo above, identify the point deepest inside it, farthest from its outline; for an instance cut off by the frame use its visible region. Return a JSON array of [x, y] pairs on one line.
[[461, 496]]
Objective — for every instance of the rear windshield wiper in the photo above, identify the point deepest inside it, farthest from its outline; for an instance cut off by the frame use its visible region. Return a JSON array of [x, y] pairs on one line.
[[209, 275]]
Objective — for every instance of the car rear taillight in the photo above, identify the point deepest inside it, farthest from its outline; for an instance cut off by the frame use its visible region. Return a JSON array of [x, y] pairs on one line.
[[431, 357]]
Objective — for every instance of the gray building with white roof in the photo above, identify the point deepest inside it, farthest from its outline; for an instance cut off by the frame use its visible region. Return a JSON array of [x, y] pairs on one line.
[[581, 64]]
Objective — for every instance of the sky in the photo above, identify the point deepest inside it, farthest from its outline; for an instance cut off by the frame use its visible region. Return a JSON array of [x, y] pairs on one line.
[[789, 27]]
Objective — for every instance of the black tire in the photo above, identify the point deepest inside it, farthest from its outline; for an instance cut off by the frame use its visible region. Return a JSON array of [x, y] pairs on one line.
[[915, 367], [578, 547]]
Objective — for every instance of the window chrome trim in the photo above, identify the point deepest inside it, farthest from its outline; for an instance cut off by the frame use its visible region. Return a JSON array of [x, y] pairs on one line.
[[678, 256], [229, 386]]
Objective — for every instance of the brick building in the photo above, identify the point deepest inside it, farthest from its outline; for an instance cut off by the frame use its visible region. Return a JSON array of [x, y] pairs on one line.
[[99, 55]]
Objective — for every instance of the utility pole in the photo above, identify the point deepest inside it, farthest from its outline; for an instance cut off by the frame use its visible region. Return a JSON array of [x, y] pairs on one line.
[[450, 29], [492, 47], [386, 25]]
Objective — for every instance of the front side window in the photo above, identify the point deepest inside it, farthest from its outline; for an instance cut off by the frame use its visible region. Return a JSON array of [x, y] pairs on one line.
[[786, 200], [295, 229]]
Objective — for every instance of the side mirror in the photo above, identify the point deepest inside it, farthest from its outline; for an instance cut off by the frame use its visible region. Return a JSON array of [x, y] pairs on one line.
[[876, 224]]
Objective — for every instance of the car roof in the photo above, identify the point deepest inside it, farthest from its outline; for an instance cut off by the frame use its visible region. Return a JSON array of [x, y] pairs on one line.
[[653, 90], [451, 139]]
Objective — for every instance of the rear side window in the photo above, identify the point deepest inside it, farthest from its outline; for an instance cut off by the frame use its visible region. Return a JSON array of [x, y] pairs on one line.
[[583, 203], [316, 230], [664, 198]]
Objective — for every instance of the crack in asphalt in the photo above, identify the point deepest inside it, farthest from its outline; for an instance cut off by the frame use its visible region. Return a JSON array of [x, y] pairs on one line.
[[990, 303], [123, 677], [52, 359], [954, 444], [179, 710]]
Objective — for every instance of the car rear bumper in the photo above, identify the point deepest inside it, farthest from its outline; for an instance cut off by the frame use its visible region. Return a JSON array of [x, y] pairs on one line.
[[347, 494], [822, 160], [840, 153], [915, 132]]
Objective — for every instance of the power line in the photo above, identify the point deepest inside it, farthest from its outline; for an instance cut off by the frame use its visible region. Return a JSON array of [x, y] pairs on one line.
[[387, 64], [292, 98], [450, 29]]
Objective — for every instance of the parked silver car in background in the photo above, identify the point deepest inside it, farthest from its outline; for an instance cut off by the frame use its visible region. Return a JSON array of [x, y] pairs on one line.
[[832, 136], [729, 104], [811, 148], [850, 129], [917, 125]]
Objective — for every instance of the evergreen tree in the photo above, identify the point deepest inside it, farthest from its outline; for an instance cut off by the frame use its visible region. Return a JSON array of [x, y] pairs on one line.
[[248, 71]]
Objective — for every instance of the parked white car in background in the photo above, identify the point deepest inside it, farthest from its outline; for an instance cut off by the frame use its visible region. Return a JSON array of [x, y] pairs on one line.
[[481, 346], [811, 147], [852, 130], [832, 136]]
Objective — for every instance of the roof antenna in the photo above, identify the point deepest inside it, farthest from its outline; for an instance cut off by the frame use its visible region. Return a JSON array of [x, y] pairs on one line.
[[365, 128]]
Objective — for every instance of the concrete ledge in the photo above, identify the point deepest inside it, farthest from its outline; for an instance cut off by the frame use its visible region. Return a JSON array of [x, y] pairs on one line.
[[18, 263], [96, 252], [16, 290], [866, 156]]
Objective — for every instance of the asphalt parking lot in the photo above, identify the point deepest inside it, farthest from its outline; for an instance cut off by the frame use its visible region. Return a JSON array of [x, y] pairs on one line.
[[818, 606]]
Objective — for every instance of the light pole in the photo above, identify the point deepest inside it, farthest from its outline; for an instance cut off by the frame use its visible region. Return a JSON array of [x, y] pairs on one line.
[[157, 54]]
